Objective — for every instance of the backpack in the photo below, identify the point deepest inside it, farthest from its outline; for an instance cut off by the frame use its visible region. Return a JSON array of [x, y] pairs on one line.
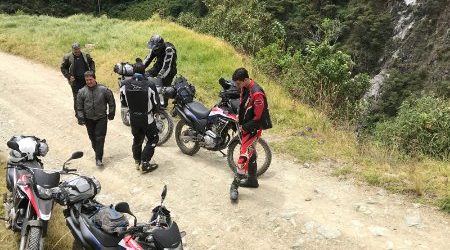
[[185, 92], [110, 221]]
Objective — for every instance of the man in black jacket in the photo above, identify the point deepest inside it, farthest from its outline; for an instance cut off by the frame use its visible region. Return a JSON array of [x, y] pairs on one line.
[[92, 102], [141, 97], [165, 67], [73, 66]]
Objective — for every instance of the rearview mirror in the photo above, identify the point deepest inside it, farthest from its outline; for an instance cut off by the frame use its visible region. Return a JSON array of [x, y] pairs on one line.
[[13, 145], [123, 207], [77, 155]]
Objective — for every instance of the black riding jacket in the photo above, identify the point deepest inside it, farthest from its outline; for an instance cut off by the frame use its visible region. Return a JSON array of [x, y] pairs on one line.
[[166, 61], [141, 97]]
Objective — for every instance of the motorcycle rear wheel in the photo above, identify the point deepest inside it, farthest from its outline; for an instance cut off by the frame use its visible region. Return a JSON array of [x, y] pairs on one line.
[[165, 123], [125, 115], [163, 120], [264, 158], [182, 144]]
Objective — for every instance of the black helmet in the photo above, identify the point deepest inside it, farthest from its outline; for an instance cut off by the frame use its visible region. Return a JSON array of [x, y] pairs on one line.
[[155, 42]]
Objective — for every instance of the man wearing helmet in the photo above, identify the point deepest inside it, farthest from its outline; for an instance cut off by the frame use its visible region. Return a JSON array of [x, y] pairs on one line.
[[165, 66], [73, 67]]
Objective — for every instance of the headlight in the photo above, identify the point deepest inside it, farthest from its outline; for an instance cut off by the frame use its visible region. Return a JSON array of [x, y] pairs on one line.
[[44, 193]]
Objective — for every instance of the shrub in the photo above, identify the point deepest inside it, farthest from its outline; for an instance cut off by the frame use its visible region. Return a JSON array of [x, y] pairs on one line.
[[422, 126], [245, 24]]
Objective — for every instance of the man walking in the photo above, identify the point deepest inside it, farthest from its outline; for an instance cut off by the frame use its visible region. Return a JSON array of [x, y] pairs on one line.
[[73, 66], [142, 99], [253, 117], [95, 103]]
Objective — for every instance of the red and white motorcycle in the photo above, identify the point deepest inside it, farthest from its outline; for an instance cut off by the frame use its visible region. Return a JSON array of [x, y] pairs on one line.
[[213, 129], [29, 202]]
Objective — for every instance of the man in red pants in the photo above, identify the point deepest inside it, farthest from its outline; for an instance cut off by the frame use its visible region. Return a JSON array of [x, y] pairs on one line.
[[251, 114]]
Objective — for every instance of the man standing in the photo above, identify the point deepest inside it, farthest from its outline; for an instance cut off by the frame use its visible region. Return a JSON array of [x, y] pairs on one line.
[[253, 117], [165, 67], [142, 99], [73, 67], [92, 102]]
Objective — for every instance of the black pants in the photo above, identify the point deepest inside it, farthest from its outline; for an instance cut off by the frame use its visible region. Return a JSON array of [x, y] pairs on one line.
[[76, 86], [167, 82], [141, 129], [97, 132]]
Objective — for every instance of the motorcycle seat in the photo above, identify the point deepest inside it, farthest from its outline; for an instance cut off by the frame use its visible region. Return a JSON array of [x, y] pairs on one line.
[[106, 239], [198, 109]]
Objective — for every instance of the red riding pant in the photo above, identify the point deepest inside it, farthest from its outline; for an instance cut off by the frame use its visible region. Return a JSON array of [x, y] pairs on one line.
[[247, 151]]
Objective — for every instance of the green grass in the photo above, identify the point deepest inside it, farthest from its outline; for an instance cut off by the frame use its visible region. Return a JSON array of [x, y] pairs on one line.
[[59, 236], [203, 60], [342, 171]]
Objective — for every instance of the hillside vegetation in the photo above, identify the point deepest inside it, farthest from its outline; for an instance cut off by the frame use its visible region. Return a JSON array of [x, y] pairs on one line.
[[299, 131]]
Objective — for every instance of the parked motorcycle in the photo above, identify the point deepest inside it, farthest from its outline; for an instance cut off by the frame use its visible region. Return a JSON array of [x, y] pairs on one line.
[[213, 129], [164, 122], [96, 226], [28, 204]]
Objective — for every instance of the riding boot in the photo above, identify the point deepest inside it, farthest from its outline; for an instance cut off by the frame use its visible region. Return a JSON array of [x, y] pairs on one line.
[[251, 181], [234, 193]]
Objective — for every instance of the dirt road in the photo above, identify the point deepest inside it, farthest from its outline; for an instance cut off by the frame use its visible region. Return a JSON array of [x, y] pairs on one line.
[[295, 206]]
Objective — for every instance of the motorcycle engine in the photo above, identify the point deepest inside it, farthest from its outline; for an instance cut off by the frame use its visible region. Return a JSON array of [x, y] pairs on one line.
[[212, 136], [210, 139]]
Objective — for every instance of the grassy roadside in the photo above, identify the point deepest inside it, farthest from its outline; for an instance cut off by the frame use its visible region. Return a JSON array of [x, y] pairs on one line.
[[298, 130], [59, 236]]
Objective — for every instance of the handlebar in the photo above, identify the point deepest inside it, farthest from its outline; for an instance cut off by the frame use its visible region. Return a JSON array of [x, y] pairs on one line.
[[68, 170], [23, 166]]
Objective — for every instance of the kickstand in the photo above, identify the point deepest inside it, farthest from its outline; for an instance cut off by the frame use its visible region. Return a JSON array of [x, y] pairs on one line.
[[223, 154]]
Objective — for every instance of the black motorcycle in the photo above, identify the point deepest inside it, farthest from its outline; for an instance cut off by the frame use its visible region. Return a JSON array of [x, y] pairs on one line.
[[213, 129], [96, 226], [29, 202], [164, 122]]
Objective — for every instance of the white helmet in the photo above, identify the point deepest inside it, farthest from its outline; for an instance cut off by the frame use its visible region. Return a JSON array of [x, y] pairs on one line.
[[29, 148]]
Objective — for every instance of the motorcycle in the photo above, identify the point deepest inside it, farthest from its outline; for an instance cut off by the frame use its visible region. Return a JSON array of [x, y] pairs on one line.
[[164, 122], [90, 229], [213, 129], [29, 202]]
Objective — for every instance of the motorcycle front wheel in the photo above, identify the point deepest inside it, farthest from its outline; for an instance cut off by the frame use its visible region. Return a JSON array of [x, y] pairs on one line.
[[186, 146], [34, 239], [263, 153]]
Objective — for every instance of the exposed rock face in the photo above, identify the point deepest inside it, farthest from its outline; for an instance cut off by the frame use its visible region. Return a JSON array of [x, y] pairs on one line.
[[420, 43]]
